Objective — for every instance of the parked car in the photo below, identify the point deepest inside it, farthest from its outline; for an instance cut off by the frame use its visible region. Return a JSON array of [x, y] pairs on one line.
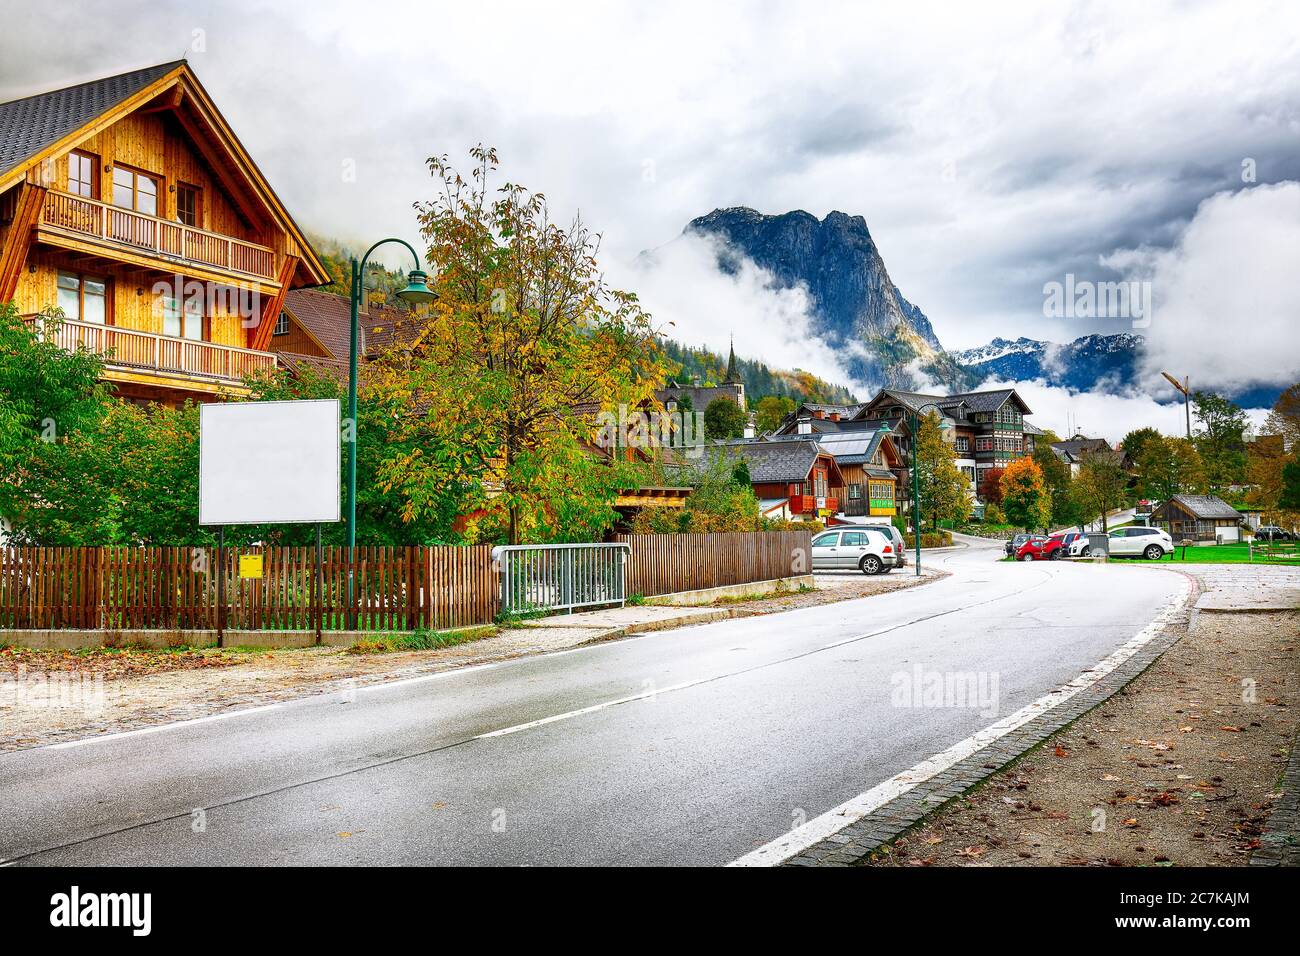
[[869, 549], [1138, 541], [1271, 532], [1041, 547], [1014, 544], [900, 545], [1075, 544]]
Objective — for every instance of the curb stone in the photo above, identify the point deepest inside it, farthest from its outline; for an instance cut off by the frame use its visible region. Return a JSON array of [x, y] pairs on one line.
[[857, 841], [1280, 844]]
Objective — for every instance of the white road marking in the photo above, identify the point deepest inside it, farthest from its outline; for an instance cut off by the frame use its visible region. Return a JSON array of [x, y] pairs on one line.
[[69, 744], [831, 822], [248, 711], [705, 680], [593, 708]]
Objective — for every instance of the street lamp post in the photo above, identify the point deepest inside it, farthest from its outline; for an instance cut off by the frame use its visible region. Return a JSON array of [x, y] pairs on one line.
[[916, 481], [416, 292]]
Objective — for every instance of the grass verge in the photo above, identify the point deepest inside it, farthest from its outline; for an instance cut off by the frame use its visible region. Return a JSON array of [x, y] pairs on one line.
[[422, 640]]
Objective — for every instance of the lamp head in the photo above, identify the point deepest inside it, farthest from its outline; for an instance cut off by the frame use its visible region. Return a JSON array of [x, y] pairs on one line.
[[417, 291]]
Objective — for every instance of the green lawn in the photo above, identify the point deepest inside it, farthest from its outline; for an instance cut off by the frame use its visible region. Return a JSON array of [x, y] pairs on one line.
[[1221, 554]]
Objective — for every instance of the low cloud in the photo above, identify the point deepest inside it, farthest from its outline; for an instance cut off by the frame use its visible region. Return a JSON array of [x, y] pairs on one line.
[[1225, 306], [696, 304], [1098, 415]]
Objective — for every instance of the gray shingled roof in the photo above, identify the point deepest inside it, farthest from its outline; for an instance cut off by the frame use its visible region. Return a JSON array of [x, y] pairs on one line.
[[989, 401], [29, 125], [777, 459], [1075, 447], [1206, 506], [985, 401]]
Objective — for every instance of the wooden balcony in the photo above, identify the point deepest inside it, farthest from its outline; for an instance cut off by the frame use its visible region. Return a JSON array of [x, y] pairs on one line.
[[150, 352], [159, 237], [808, 504]]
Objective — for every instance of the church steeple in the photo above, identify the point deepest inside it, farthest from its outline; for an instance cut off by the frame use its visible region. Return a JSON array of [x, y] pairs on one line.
[[732, 377]]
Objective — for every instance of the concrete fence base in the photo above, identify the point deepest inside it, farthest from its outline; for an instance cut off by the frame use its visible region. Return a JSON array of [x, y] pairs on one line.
[[752, 588], [71, 640]]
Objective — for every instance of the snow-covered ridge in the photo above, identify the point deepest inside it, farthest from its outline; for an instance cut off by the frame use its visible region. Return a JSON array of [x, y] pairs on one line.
[[1093, 344]]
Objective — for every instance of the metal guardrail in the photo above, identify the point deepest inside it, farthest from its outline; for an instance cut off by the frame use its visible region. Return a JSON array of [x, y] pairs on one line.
[[560, 577]]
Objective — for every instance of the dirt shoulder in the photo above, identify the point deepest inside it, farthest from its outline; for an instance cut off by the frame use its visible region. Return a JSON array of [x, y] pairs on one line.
[[50, 696], [1181, 767]]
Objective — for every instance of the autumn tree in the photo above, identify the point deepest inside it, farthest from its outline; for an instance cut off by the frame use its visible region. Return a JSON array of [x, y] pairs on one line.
[[1136, 440], [770, 411], [721, 499], [1266, 459], [942, 486], [1026, 502], [1100, 487], [1284, 419], [724, 419], [1056, 476], [990, 487], [495, 388], [1169, 466], [1219, 439]]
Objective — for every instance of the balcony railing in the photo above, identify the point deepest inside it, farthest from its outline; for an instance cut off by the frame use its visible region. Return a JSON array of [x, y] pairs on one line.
[[129, 348], [170, 240], [810, 504]]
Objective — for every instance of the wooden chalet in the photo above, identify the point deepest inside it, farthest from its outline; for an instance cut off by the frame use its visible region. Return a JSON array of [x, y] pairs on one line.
[[871, 466], [130, 204], [1203, 519], [792, 477]]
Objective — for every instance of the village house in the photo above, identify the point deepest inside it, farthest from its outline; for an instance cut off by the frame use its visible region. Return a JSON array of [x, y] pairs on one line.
[[987, 429], [816, 418], [1075, 451], [870, 466], [1202, 519], [130, 204], [793, 478]]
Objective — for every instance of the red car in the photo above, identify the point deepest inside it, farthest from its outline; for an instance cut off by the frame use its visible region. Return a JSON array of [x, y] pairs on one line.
[[1041, 548]]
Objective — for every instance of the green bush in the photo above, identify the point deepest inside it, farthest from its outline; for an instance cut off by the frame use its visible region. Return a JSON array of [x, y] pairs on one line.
[[930, 539]]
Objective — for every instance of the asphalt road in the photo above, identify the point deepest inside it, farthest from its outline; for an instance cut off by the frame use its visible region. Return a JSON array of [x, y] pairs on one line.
[[738, 730]]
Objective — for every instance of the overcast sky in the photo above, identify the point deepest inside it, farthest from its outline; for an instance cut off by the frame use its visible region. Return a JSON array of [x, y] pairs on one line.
[[990, 147]]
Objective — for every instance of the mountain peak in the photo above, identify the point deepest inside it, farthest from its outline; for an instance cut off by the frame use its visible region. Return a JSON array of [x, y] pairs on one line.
[[855, 305]]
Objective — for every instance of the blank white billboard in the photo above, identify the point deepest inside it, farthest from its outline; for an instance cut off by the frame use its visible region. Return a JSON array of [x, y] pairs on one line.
[[269, 462]]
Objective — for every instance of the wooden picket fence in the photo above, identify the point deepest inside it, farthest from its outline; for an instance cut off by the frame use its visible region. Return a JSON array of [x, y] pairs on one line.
[[394, 588], [664, 563]]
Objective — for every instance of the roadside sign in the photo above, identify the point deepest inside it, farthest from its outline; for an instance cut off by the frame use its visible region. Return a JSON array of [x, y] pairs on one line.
[[250, 566], [269, 462]]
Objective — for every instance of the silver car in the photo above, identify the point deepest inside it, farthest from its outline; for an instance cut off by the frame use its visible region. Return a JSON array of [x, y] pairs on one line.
[[1137, 540], [869, 550]]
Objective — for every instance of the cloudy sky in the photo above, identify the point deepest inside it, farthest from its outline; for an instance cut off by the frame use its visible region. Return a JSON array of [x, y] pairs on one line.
[[991, 147]]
